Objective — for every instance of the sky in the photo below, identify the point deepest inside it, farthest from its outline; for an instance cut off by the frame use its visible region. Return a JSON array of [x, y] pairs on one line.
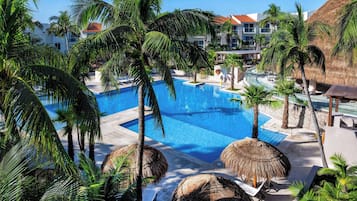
[[48, 8]]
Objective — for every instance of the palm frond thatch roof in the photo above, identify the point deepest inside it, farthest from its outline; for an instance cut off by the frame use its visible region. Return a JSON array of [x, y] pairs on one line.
[[251, 158], [340, 70], [342, 91], [207, 187], [154, 162]]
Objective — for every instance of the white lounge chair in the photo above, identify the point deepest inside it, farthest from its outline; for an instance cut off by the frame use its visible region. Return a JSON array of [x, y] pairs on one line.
[[249, 189], [125, 80]]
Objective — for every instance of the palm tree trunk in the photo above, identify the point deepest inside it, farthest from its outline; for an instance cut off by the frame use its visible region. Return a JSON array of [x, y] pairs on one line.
[[285, 122], [70, 145], [91, 147], [140, 150], [313, 115], [67, 43], [255, 123], [232, 78], [194, 76]]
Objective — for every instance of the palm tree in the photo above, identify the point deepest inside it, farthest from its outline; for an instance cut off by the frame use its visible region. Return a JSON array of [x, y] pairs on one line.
[[22, 108], [137, 37], [67, 117], [92, 183], [273, 16], [227, 28], [342, 185], [259, 41], [197, 57], [253, 97], [62, 26], [233, 60], [285, 88], [298, 52], [347, 29], [346, 180]]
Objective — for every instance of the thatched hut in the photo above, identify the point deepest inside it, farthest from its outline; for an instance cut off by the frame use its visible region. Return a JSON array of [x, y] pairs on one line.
[[154, 162], [340, 70], [253, 159], [207, 187]]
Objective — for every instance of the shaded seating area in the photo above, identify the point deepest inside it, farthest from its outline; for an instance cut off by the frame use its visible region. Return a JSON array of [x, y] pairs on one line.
[[339, 92]]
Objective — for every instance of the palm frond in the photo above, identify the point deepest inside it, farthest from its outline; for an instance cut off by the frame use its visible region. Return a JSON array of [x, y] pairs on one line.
[[180, 23], [347, 29], [69, 91], [317, 56], [61, 189], [138, 72], [35, 122], [13, 171], [85, 11]]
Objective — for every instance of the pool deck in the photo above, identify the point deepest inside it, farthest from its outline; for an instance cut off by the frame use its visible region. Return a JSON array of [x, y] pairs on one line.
[[301, 149]]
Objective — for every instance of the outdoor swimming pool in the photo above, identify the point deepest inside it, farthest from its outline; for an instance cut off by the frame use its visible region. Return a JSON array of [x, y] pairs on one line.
[[201, 122]]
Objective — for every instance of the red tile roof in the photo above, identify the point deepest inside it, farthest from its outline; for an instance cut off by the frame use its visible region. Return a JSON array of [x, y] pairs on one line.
[[244, 18], [93, 27], [222, 20]]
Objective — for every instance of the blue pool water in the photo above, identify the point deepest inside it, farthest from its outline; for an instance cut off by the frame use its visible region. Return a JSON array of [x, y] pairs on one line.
[[201, 122]]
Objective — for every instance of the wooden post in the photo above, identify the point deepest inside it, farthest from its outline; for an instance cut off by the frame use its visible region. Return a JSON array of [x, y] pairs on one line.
[[337, 103], [329, 117], [255, 181]]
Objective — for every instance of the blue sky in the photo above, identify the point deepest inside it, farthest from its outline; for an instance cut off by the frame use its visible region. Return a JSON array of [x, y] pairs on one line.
[[47, 8]]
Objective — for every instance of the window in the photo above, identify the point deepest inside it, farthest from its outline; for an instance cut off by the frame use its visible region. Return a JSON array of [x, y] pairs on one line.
[[265, 29], [248, 40], [235, 29], [199, 43], [234, 42], [249, 28]]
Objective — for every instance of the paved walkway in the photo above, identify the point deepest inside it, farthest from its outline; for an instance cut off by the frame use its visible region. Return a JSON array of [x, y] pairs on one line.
[[300, 148]]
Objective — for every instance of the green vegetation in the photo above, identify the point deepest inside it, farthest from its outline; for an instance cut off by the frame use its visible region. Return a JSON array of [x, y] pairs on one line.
[[231, 61], [339, 183], [62, 26], [285, 88], [253, 97]]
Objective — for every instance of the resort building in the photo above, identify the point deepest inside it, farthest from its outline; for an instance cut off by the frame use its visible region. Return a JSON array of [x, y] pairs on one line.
[[40, 35], [242, 34]]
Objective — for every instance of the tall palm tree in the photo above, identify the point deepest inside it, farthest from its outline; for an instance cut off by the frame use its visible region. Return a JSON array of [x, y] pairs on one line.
[[136, 37], [232, 61], [286, 88], [253, 97], [23, 111], [347, 29], [298, 52], [62, 26]]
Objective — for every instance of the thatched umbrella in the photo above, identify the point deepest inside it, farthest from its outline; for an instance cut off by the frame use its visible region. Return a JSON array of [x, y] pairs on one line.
[[154, 162], [251, 158], [207, 187]]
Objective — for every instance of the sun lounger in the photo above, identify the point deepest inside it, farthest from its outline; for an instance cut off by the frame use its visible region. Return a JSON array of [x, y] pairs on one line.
[[249, 189], [348, 122], [125, 80]]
